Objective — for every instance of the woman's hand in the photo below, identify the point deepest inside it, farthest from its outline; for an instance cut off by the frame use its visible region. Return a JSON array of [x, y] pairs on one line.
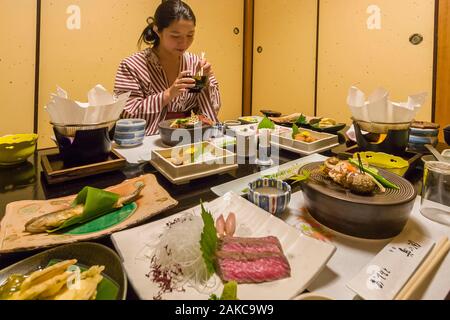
[[207, 68], [180, 85]]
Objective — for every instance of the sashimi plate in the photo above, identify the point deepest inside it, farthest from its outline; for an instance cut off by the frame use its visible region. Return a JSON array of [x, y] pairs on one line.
[[307, 256]]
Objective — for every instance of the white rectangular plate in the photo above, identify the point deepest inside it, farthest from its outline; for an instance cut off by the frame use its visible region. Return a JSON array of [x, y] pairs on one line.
[[306, 256], [238, 185]]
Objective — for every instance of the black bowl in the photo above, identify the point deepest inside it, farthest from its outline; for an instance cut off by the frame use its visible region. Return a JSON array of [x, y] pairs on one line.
[[377, 216], [200, 83], [88, 146], [447, 135], [174, 136]]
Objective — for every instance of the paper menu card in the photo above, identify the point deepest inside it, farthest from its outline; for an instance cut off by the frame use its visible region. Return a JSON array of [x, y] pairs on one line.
[[389, 271]]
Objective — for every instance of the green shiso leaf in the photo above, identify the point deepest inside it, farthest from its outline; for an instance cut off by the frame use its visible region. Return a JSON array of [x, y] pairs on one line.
[[96, 202], [266, 123], [208, 241], [229, 292], [295, 130], [301, 120], [300, 177]]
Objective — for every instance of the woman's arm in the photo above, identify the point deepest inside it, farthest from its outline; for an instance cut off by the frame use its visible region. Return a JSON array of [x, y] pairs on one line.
[[128, 80]]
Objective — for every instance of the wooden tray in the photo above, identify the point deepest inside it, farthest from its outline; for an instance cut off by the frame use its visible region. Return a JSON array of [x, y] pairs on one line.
[[226, 161], [56, 171]]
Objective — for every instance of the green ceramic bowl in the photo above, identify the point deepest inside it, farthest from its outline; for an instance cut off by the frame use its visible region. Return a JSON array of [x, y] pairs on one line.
[[15, 149]]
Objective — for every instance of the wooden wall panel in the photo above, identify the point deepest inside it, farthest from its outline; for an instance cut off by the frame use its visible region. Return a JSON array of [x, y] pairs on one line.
[[284, 72], [17, 64], [351, 54], [78, 59], [216, 21]]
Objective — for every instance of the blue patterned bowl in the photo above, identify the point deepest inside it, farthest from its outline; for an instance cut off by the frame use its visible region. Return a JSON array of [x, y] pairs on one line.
[[129, 132], [270, 194]]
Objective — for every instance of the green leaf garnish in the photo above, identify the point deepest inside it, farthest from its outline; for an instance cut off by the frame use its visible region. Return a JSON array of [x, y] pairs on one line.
[[300, 177], [266, 123], [301, 120], [229, 292], [208, 241], [295, 131]]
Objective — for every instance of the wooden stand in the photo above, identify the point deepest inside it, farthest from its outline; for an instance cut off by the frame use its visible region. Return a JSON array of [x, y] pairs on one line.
[[56, 171]]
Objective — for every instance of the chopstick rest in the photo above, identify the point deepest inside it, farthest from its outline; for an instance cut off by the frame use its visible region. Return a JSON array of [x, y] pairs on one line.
[[389, 271]]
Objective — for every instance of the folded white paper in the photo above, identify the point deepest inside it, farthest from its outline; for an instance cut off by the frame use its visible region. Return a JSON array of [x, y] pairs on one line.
[[389, 271], [101, 107], [378, 107]]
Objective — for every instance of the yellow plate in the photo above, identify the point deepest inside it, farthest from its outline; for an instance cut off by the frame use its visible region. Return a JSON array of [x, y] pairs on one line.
[[386, 161]]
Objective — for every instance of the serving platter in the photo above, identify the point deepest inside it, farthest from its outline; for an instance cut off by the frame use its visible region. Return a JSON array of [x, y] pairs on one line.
[[307, 257], [114, 283], [223, 161], [13, 237]]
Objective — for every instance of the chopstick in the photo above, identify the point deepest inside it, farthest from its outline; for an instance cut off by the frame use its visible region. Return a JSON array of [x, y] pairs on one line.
[[201, 69], [433, 259], [361, 168]]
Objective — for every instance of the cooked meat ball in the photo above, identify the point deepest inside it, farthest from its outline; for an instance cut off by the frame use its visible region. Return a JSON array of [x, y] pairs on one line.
[[360, 183]]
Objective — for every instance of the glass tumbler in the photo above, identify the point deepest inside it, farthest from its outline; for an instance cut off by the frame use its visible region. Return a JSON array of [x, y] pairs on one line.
[[435, 202]]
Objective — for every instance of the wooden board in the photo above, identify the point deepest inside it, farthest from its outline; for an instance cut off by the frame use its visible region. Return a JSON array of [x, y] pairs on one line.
[[56, 171]]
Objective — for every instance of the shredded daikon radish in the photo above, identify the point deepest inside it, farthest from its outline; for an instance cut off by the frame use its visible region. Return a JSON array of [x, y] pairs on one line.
[[178, 256]]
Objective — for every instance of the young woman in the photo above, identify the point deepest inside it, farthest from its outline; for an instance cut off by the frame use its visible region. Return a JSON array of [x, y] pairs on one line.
[[156, 76]]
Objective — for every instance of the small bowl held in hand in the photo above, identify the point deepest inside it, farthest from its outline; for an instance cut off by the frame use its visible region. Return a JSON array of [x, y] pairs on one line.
[[270, 194]]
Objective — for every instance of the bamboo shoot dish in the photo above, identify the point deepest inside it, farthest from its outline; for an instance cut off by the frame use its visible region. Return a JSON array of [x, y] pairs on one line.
[[55, 282]]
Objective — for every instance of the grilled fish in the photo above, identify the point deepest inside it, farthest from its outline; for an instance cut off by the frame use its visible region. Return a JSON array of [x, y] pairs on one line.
[[55, 219]]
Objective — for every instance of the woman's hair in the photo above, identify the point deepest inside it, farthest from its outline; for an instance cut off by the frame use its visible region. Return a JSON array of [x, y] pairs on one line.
[[166, 13]]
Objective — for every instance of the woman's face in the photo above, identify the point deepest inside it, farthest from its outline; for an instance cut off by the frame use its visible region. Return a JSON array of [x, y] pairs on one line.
[[177, 37]]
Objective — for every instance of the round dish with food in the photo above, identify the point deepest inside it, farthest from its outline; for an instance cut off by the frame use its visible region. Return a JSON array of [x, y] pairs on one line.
[[362, 203]]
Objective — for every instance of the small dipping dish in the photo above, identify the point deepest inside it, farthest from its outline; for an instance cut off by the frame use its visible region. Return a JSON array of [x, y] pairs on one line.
[[270, 194], [129, 132]]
